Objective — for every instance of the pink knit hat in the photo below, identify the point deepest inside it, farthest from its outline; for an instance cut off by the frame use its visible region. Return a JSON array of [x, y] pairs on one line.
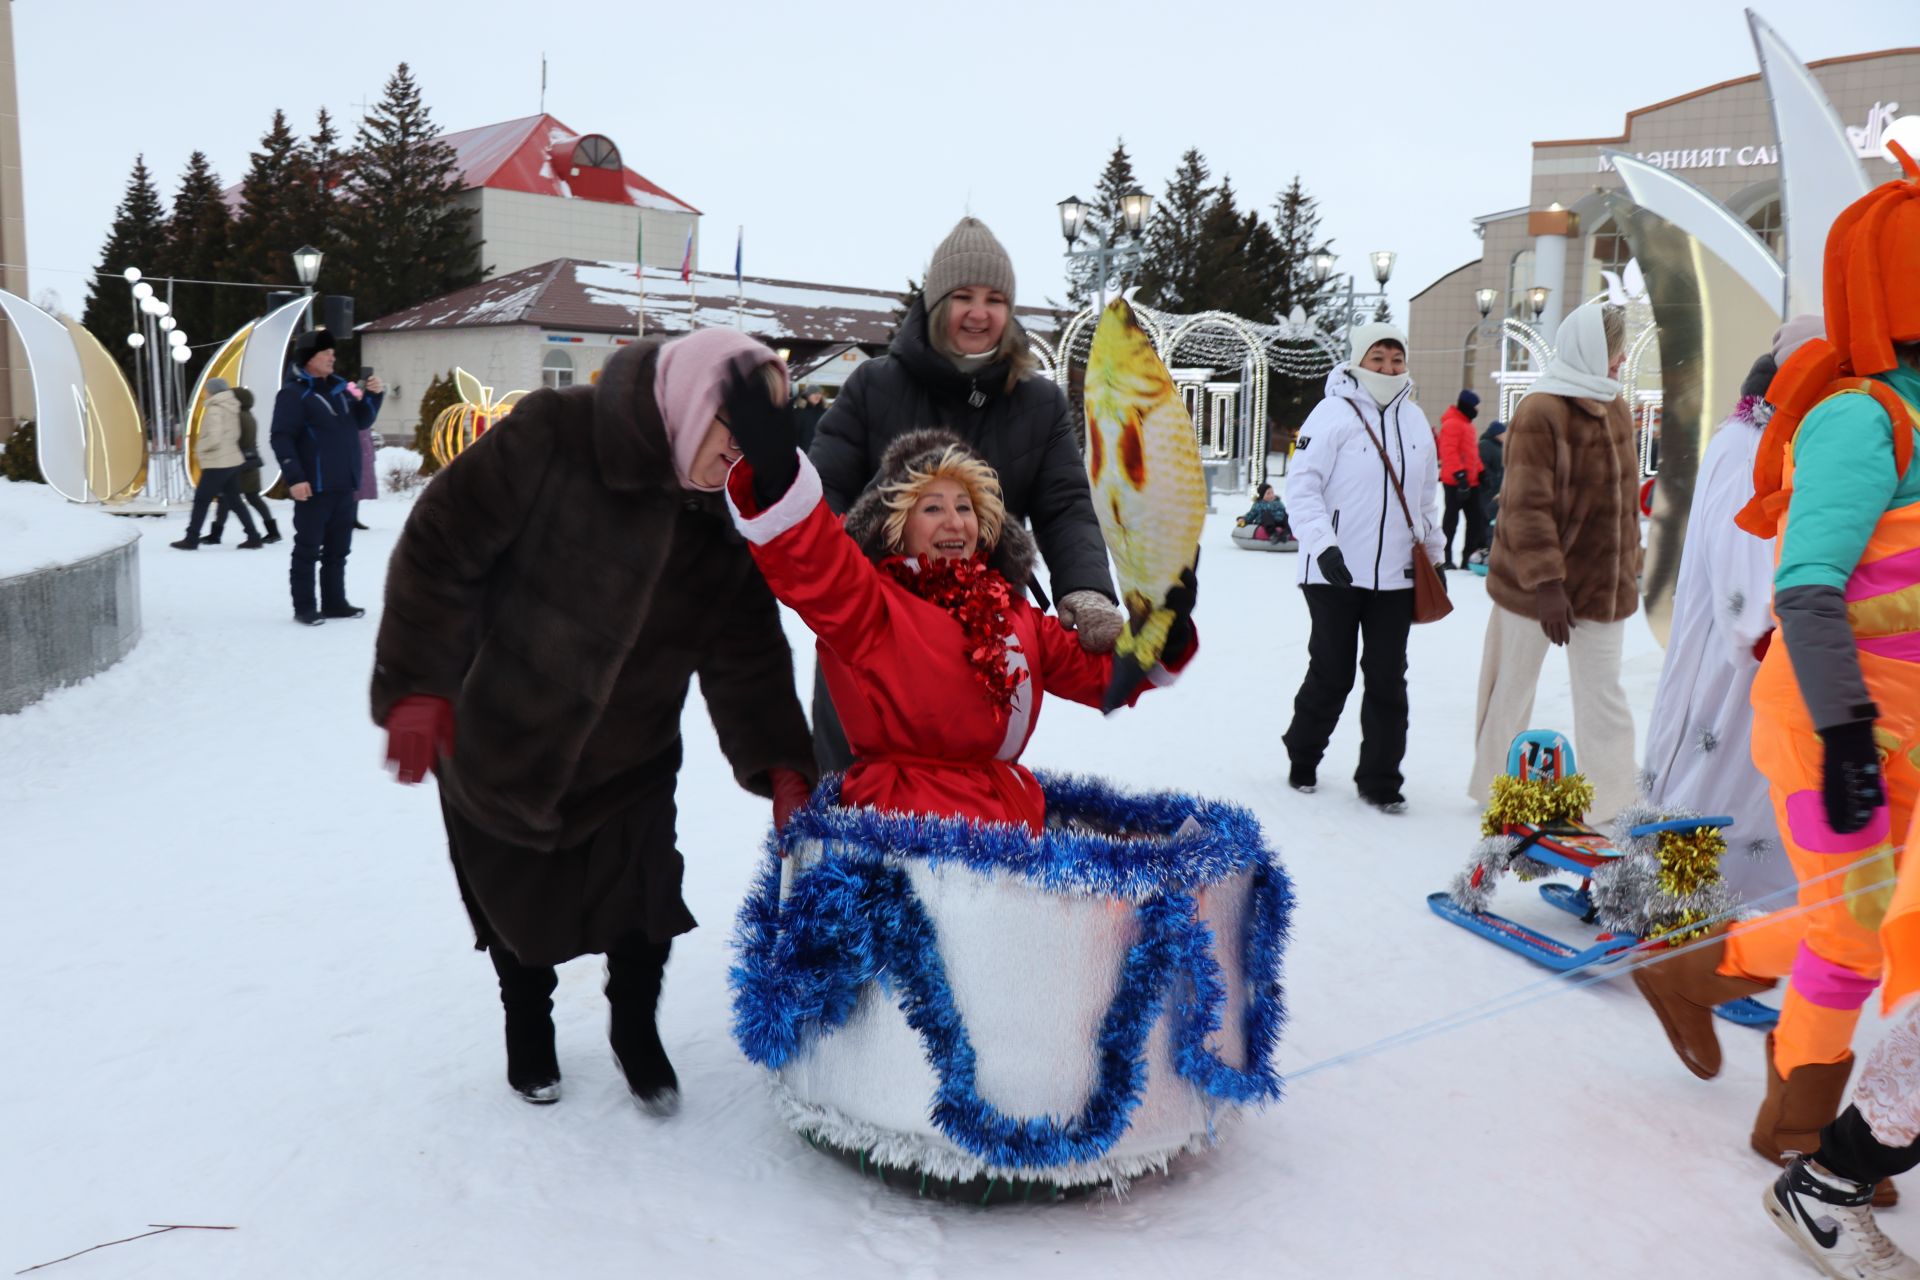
[[690, 380]]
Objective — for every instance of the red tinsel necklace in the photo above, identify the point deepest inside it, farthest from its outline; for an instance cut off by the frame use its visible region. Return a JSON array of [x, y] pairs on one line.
[[980, 601]]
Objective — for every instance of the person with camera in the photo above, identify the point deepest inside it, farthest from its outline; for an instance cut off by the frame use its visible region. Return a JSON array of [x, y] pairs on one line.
[[318, 420]]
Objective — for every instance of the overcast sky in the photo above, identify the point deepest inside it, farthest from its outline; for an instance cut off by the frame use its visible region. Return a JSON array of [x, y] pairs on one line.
[[848, 138]]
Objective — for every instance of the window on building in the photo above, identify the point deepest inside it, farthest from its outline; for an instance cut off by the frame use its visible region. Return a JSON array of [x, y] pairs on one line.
[[1607, 251], [1519, 280], [596, 151], [557, 369], [1765, 222]]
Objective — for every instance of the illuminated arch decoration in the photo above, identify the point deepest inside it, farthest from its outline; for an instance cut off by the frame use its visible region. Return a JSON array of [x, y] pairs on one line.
[[459, 425]]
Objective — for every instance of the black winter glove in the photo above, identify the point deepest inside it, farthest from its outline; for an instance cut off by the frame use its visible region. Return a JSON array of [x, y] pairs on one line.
[[1850, 776], [768, 437], [1333, 567], [1180, 636], [1460, 481]]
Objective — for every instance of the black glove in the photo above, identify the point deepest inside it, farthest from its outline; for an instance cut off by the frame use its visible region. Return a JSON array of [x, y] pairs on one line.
[[1180, 636], [1850, 776], [1460, 481], [1333, 567], [253, 461], [768, 437]]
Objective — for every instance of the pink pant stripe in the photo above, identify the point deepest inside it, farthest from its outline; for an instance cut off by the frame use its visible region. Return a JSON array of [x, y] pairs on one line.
[[1887, 574], [1807, 827], [1829, 985]]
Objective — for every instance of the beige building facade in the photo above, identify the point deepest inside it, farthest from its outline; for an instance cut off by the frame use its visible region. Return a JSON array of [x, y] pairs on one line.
[[521, 229], [1720, 139]]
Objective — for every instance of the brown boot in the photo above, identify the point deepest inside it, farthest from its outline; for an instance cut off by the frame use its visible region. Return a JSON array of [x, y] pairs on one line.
[[1683, 991], [1798, 1107]]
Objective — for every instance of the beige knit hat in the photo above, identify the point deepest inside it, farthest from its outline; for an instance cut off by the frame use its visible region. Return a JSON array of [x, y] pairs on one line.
[[969, 255]]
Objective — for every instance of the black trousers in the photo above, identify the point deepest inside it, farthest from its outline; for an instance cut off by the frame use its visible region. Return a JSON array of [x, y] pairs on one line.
[[322, 535], [253, 500], [1469, 503], [222, 483], [1345, 619], [831, 754], [1848, 1148]]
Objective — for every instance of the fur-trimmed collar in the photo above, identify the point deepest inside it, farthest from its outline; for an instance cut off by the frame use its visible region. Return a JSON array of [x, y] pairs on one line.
[[629, 436], [866, 521]]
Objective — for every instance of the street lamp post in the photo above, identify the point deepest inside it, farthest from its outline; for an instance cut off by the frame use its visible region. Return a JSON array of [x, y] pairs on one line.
[[306, 268], [1114, 253], [1382, 261]]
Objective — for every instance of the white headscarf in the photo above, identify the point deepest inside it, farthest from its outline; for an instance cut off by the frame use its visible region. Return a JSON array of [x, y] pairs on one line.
[[1579, 364]]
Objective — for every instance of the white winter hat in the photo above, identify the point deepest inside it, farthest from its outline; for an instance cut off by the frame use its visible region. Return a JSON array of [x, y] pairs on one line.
[[1366, 335]]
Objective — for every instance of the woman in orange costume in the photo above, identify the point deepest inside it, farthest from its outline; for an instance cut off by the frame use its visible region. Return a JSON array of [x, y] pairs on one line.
[[1837, 703]]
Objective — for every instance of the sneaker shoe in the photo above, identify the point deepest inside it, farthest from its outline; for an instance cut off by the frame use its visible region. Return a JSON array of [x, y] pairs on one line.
[[342, 611], [1386, 801], [1831, 1219], [307, 618]]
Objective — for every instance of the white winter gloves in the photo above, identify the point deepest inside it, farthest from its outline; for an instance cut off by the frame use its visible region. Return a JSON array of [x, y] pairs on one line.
[[1093, 618]]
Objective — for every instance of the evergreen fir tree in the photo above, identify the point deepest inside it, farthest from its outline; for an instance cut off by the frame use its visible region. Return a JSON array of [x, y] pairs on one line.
[[1168, 276], [899, 314], [1115, 181], [406, 239], [317, 172], [138, 238], [1296, 220], [1382, 313], [442, 393], [197, 251], [1220, 256], [266, 230]]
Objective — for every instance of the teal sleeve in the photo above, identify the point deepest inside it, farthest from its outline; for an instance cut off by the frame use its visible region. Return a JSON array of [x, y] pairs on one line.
[[1843, 482]]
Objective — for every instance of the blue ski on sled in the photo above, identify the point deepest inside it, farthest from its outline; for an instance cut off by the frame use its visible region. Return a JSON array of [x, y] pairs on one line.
[[1575, 848]]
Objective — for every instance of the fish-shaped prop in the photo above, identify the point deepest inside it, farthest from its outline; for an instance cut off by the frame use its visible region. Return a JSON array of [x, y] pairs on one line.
[[1143, 461]]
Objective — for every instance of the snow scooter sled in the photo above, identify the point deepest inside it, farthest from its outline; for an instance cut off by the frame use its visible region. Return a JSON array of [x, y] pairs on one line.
[[1253, 537], [1578, 849]]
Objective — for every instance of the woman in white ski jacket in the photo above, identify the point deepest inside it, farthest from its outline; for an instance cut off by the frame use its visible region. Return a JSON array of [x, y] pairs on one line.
[[1356, 558]]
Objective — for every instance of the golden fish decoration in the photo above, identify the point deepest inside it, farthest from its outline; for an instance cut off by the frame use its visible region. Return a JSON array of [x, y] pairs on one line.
[[1143, 461]]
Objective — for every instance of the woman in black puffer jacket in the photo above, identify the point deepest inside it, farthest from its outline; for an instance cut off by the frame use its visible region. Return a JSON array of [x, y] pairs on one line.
[[960, 362]]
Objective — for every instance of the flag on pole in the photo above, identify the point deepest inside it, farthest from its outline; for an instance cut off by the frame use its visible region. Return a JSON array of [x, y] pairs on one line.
[[686, 263], [640, 274], [739, 246]]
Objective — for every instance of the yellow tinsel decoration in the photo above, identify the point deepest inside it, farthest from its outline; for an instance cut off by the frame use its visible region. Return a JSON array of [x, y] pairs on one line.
[[1680, 929], [1690, 860], [1536, 802]]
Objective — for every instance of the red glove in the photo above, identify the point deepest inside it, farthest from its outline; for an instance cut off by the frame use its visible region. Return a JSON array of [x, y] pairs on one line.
[[1761, 646], [791, 791], [419, 732]]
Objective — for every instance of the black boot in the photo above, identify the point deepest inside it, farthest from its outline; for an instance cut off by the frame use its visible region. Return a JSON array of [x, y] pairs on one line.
[[189, 543], [212, 539], [526, 993], [253, 543], [273, 530], [634, 971]]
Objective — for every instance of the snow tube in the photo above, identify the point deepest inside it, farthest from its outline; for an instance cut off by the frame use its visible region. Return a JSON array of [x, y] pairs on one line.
[[970, 1002], [1250, 537]]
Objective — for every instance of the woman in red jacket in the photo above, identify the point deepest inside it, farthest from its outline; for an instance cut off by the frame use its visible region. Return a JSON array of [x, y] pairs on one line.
[[938, 665], [1460, 471]]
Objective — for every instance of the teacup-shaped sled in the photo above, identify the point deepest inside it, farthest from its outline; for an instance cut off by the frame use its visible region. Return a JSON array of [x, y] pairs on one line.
[[974, 1003]]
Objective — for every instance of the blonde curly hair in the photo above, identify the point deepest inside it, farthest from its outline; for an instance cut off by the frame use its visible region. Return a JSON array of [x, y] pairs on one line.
[[960, 465]]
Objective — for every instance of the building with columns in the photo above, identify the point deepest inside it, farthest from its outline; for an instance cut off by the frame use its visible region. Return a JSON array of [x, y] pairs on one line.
[[1720, 139]]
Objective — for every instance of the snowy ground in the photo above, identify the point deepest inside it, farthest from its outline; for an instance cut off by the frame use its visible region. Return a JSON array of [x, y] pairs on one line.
[[239, 990]]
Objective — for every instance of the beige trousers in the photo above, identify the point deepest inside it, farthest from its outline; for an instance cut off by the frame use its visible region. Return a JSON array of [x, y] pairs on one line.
[[1602, 721]]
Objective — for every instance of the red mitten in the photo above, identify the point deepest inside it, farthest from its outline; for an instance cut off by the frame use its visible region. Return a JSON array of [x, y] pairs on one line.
[[1761, 646], [791, 791], [419, 732]]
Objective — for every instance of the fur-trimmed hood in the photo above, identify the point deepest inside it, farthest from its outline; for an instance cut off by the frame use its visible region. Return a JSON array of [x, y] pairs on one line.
[[1014, 557]]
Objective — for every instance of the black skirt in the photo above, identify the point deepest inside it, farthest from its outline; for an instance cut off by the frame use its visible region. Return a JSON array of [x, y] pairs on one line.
[[546, 908]]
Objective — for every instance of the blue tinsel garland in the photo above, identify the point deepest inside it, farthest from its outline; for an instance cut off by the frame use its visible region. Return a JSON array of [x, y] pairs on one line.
[[853, 919]]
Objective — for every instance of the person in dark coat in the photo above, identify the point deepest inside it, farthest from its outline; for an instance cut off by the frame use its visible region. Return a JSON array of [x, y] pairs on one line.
[[1493, 456], [555, 590], [317, 424], [807, 415], [248, 481], [960, 362]]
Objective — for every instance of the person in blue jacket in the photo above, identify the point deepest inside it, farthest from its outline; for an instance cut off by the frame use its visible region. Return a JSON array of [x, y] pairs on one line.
[[317, 420]]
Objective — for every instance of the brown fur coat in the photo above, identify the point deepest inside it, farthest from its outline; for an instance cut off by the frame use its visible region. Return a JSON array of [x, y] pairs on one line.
[[560, 588], [1569, 509]]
